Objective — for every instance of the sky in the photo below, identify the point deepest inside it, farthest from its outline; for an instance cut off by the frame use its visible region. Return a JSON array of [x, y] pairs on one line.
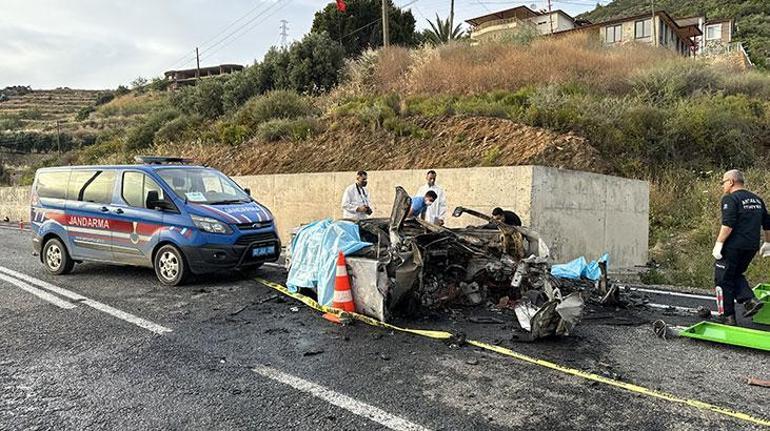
[[100, 44]]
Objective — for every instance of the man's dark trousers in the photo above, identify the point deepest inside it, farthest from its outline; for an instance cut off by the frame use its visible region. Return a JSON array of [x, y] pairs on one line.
[[728, 274]]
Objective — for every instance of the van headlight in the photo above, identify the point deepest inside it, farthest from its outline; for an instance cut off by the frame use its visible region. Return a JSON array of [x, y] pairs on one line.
[[211, 225]]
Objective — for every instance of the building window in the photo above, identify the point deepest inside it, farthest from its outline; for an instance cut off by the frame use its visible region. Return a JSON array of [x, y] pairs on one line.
[[614, 33], [643, 29], [713, 31]]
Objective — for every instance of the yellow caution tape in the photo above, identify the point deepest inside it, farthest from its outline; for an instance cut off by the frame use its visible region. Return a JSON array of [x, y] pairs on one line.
[[443, 335]]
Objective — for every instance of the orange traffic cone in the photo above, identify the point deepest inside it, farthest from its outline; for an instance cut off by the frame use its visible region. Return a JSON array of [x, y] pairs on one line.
[[343, 296]]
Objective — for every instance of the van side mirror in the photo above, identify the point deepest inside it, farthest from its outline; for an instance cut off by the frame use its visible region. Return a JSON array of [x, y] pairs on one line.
[[155, 202], [247, 190]]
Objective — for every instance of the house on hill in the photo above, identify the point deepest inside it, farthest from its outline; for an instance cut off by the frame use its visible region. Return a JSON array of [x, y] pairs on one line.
[[178, 78], [497, 25], [689, 36]]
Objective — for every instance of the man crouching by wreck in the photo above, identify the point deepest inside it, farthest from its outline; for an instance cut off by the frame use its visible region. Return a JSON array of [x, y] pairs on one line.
[[744, 214], [420, 204]]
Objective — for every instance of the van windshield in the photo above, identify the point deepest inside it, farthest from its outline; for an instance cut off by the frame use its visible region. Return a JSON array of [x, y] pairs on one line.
[[200, 185]]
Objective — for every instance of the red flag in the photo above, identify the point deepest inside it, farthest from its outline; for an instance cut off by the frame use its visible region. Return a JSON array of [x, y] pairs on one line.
[[341, 6]]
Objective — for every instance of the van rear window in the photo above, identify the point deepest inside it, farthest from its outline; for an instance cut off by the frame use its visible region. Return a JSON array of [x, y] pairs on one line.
[[52, 185]]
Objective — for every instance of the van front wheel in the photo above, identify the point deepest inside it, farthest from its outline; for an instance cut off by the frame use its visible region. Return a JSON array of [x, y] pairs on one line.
[[56, 259], [170, 266]]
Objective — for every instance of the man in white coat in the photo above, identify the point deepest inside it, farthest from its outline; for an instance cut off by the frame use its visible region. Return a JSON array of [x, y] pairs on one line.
[[436, 213], [356, 201]]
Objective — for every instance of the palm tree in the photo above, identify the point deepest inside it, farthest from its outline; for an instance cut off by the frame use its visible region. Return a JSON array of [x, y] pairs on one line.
[[440, 32]]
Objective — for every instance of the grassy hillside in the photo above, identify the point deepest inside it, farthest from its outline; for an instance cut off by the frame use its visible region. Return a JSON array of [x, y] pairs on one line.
[[633, 111], [752, 18]]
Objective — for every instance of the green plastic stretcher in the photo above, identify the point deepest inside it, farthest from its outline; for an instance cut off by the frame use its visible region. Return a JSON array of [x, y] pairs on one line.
[[734, 335], [762, 292]]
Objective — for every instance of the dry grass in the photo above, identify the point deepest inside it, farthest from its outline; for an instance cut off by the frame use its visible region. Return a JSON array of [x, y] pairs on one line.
[[459, 69], [132, 104]]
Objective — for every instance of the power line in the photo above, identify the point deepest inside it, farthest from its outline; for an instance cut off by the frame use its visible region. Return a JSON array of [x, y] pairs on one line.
[[190, 56], [285, 3], [234, 32]]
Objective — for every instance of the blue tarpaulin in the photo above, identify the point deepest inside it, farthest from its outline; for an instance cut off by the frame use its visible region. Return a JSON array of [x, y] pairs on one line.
[[314, 255], [580, 268]]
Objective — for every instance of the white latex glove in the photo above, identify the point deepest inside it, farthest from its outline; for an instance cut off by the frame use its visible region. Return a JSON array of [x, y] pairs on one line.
[[765, 250], [717, 253]]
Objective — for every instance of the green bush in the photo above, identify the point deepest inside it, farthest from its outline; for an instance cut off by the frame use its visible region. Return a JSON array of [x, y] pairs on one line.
[[280, 128], [105, 97], [280, 104], [232, 134], [675, 80], [143, 135], [242, 86], [10, 122], [178, 129], [84, 112]]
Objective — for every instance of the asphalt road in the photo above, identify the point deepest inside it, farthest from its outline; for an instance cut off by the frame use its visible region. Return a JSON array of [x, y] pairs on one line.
[[116, 351]]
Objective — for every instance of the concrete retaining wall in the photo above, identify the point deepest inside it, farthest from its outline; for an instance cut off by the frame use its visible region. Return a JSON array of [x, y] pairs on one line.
[[577, 213]]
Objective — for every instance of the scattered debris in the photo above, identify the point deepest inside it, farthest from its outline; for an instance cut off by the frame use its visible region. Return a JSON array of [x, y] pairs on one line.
[[757, 382], [486, 320], [313, 352], [294, 309], [660, 329], [234, 313], [473, 361]]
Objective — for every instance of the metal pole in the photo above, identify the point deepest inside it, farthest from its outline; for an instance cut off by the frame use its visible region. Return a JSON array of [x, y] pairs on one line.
[[58, 138], [550, 14], [198, 62], [385, 33]]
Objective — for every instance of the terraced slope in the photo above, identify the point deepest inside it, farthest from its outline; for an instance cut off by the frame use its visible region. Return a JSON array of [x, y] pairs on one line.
[[40, 109]]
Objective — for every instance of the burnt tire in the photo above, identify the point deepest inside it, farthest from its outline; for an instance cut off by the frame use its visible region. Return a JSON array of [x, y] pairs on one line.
[[55, 257], [170, 266]]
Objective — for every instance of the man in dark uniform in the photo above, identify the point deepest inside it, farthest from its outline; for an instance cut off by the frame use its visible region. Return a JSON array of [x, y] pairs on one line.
[[744, 215]]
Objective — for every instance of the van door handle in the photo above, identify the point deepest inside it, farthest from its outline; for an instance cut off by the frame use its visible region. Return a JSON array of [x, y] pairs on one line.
[[118, 211], [105, 209]]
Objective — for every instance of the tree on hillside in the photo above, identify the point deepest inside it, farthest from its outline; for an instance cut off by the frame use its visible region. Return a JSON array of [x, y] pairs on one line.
[[439, 32], [360, 26], [310, 66]]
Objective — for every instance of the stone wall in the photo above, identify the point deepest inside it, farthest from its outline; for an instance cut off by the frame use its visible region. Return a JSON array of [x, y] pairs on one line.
[[577, 213]]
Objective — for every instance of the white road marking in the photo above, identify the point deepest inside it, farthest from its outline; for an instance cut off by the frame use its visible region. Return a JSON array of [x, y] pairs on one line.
[[42, 294], [670, 293], [120, 314], [677, 308], [356, 407]]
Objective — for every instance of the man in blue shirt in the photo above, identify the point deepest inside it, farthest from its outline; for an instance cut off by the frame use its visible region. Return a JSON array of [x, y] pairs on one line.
[[744, 215], [421, 203]]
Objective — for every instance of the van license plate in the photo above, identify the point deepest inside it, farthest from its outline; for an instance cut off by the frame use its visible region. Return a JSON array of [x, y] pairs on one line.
[[263, 251]]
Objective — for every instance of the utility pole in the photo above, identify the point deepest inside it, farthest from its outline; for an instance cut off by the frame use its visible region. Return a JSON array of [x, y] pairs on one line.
[[451, 18], [198, 62], [385, 33], [58, 138], [550, 14], [284, 32]]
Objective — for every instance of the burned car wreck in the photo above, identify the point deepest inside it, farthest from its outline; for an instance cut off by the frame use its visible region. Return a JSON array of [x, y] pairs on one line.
[[414, 266]]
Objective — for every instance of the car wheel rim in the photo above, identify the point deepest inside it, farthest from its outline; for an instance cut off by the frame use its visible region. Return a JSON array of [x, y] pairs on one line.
[[169, 265], [53, 257]]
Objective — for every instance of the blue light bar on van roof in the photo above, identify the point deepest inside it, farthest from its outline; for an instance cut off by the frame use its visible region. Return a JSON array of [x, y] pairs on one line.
[[162, 160]]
